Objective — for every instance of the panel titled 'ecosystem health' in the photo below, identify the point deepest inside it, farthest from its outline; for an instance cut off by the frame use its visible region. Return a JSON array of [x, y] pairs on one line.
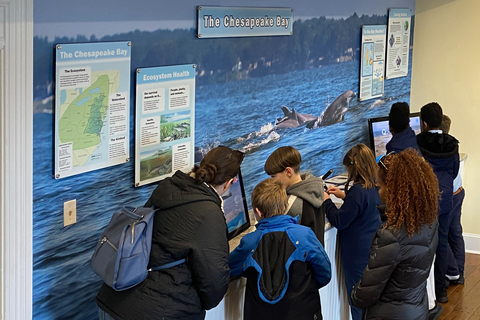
[[92, 104], [165, 122]]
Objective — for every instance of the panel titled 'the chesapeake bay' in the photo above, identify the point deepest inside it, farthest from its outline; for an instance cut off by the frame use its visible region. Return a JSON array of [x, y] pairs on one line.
[[216, 22], [165, 122], [92, 106]]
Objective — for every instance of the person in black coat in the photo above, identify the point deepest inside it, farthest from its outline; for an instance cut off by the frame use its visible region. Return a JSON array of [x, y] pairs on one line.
[[441, 151], [393, 285], [190, 224]]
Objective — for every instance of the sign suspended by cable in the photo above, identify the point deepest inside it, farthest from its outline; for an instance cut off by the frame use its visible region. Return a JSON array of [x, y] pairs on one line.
[[221, 22]]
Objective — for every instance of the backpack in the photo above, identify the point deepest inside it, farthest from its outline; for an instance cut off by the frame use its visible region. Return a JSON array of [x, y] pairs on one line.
[[123, 251]]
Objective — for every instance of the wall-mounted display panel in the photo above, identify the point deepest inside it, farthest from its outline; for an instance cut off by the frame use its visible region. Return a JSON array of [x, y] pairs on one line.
[[92, 106]]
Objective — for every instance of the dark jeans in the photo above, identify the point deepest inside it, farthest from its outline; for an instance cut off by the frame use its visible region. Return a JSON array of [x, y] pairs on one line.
[[441, 258], [102, 315], [456, 244]]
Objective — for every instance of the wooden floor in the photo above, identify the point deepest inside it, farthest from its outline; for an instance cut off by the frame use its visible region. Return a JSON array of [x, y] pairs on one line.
[[464, 300]]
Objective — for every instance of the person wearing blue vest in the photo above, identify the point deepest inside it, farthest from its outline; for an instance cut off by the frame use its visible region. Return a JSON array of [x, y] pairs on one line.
[[441, 151], [403, 136], [284, 262], [358, 219]]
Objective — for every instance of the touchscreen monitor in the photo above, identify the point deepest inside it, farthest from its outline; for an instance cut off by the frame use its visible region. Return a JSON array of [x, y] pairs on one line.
[[235, 208], [380, 134]]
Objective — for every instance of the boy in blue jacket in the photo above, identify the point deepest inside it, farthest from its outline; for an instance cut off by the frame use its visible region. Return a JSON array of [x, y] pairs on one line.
[[403, 136], [284, 262]]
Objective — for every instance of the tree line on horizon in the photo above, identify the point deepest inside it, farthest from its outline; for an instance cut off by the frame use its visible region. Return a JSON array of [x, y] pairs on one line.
[[315, 42]]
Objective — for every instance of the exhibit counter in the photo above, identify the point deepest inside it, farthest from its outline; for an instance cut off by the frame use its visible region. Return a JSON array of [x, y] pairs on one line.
[[333, 296]]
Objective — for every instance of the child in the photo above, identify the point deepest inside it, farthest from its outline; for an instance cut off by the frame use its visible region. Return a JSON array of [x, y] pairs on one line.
[[441, 152], [284, 263], [456, 244], [399, 125], [358, 219], [305, 191]]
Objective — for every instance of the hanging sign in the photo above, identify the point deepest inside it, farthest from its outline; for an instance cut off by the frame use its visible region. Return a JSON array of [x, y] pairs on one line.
[[218, 22]]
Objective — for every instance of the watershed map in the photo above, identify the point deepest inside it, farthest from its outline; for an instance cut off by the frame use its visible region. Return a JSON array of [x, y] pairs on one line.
[[83, 112]]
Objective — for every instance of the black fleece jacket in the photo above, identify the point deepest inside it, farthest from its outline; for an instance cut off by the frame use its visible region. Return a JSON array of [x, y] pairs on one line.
[[190, 224]]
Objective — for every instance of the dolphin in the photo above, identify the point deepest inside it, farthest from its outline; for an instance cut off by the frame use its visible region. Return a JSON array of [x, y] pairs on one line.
[[292, 119], [335, 112]]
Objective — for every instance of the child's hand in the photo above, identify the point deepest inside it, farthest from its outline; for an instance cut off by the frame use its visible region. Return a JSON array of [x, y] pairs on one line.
[[326, 196], [336, 192]]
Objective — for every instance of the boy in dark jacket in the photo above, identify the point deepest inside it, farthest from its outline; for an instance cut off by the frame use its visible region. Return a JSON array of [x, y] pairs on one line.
[[305, 191], [284, 263], [399, 124], [441, 151]]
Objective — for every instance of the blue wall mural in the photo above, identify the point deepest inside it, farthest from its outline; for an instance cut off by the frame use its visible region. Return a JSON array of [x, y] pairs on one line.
[[242, 84]]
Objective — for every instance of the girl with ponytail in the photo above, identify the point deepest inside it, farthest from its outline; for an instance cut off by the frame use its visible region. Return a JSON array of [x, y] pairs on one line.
[[190, 225], [357, 219]]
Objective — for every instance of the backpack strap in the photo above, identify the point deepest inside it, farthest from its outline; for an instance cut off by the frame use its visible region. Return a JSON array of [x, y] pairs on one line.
[[168, 265]]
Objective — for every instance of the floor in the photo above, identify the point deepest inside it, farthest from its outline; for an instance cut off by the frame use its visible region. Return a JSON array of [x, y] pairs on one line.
[[464, 300]]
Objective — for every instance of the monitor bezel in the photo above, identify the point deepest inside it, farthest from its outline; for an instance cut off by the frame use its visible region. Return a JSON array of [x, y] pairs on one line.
[[371, 121], [246, 225]]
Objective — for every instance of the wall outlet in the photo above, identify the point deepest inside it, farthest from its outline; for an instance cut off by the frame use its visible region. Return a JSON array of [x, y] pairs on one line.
[[69, 212]]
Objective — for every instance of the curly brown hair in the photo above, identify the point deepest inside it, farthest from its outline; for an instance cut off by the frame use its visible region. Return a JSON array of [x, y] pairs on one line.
[[412, 191]]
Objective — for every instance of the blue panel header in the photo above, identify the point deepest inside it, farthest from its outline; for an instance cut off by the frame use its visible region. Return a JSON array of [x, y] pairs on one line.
[[400, 13], [165, 74], [92, 51], [217, 22], [374, 30]]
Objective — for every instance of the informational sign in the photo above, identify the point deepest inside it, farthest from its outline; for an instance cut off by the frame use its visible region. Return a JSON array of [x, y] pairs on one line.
[[372, 65], [398, 42], [165, 122], [92, 103], [217, 22]]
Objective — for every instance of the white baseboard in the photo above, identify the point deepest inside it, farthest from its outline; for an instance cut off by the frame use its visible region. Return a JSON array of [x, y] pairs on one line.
[[472, 243]]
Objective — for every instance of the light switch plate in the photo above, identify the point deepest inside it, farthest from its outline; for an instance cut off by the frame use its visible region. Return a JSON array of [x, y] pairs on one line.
[[69, 212]]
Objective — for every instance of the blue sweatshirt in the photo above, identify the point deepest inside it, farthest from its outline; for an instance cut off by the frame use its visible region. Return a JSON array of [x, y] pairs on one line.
[[357, 220]]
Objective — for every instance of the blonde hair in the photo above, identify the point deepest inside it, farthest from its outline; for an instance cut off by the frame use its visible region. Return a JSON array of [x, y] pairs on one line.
[[282, 158], [270, 197], [446, 122], [361, 166]]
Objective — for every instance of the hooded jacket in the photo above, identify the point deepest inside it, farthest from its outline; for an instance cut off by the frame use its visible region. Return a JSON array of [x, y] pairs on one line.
[[441, 151], [393, 285], [190, 224], [402, 140], [285, 265], [308, 204]]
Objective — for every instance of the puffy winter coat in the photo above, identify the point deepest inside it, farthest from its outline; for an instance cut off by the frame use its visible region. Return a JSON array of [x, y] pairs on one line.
[[441, 151], [190, 224], [393, 285]]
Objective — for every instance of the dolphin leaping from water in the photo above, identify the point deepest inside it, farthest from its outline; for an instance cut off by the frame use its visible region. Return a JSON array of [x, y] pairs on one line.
[[334, 113]]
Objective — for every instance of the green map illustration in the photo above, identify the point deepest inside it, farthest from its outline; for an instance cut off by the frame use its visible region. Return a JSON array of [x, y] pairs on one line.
[[82, 115]]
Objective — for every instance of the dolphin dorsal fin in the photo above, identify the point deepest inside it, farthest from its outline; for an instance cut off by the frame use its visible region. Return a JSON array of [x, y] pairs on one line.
[[286, 111]]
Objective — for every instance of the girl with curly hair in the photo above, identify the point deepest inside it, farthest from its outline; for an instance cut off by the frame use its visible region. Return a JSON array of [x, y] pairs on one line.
[[393, 285], [357, 219]]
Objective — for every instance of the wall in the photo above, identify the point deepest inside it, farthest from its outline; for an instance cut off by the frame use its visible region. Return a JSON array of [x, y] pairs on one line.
[[234, 107], [445, 70]]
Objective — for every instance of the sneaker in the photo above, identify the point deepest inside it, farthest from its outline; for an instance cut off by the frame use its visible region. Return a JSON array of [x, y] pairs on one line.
[[435, 312], [442, 297], [460, 280]]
